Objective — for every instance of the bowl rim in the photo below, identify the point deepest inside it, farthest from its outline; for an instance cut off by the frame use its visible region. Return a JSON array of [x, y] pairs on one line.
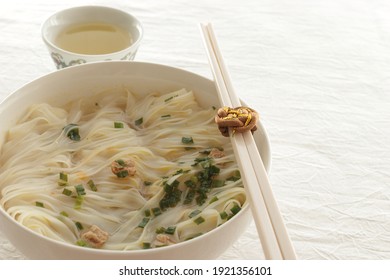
[[126, 253]]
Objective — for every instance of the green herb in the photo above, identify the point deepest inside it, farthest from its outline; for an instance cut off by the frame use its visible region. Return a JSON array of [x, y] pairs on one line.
[[72, 132], [172, 195], [147, 183], [203, 181], [79, 225], [147, 213], [81, 243], [91, 185], [63, 179], [199, 220], [181, 171], [63, 213], [165, 116], [67, 192], [205, 152], [200, 160], [122, 174], [78, 202], [143, 223], [189, 197], [170, 230], [235, 209], [190, 184], [217, 183], [160, 230], [39, 204], [187, 140], [214, 199], [223, 215], [146, 245], [80, 190], [139, 121], [213, 107], [118, 125], [156, 211], [235, 176], [194, 213], [170, 98]]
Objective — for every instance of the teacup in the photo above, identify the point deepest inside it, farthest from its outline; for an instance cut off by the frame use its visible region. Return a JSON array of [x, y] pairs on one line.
[[91, 33]]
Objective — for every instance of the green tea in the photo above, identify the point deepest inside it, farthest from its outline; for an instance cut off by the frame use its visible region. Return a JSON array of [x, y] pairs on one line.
[[93, 38]]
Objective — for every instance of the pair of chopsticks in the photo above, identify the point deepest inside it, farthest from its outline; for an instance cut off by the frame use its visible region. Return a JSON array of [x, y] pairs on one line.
[[269, 223]]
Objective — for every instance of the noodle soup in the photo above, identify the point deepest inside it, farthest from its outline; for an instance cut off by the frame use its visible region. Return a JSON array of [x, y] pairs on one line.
[[120, 171]]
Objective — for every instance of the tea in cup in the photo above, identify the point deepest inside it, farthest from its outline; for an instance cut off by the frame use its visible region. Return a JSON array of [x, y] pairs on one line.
[[91, 33]]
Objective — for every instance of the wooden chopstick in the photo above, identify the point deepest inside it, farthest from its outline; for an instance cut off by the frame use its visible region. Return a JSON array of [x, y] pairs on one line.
[[269, 223]]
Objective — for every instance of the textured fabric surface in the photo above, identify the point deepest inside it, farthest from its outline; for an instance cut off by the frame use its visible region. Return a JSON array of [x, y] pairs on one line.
[[318, 72]]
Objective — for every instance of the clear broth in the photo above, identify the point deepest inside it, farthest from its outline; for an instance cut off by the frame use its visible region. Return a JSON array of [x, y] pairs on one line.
[[94, 38]]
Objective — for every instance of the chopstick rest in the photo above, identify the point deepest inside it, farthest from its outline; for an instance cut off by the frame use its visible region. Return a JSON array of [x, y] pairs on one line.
[[239, 119]]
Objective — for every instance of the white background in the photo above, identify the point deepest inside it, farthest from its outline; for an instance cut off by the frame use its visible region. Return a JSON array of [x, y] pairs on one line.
[[318, 72]]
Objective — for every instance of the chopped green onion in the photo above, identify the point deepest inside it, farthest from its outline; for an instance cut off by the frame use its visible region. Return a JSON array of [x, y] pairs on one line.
[[81, 243], [79, 201], [67, 192], [223, 215], [199, 220], [174, 184], [160, 230], [165, 116], [235, 209], [194, 213], [139, 121], [80, 190], [143, 223], [63, 180], [213, 170], [147, 213], [170, 98], [217, 183], [63, 213], [214, 199], [39, 204], [147, 183], [181, 171], [156, 211], [118, 125], [146, 245], [92, 185], [79, 225], [170, 230], [187, 140], [72, 132], [190, 184], [190, 196], [122, 174], [235, 177]]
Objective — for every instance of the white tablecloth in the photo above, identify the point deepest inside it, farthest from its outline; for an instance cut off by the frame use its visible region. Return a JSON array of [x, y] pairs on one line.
[[317, 71]]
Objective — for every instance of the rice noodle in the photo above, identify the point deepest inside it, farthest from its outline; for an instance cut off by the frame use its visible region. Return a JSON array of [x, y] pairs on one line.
[[154, 134]]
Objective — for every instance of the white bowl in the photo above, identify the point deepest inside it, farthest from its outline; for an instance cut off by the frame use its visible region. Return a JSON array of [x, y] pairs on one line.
[[62, 86]]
